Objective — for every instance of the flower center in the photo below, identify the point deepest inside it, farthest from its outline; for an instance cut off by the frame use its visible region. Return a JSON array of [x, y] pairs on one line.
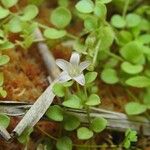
[[74, 70]]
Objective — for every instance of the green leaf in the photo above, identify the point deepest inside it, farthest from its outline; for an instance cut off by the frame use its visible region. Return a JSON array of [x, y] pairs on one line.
[[73, 102], [15, 25], [84, 133], [85, 6], [63, 3], [64, 143], [132, 20], [29, 13], [130, 136], [6, 45], [93, 100], [3, 12], [68, 84], [24, 137], [55, 113], [138, 81], [118, 21], [70, 122], [9, 3], [52, 33], [60, 17], [133, 53], [134, 108], [4, 120], [58, 89], [4, 59], [109, 76], [1, 79], [130, 68], [104, 1], [98, 124], [144, 38], [100, 10], [3, 93], [90, 77], [124, 37], [106, 36], [90, 23]]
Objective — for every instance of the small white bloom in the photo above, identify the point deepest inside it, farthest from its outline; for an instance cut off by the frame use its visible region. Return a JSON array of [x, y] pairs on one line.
[[73, 69]]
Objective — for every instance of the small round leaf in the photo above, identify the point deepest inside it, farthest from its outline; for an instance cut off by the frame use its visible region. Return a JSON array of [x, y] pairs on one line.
[[98, 124], [93, 100], [85, 6], [84, 133], [64, 143], [52, 33], [117, 21], [29, 13], [130, 68], [134, 108], [55, 113], [60, 17], [138, 81], [4, 120], [4, 59], [3, 12], [9, 3], [109, 76]]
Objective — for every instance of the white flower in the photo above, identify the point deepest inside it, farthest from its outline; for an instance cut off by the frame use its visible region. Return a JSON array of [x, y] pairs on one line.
[[73, 69]]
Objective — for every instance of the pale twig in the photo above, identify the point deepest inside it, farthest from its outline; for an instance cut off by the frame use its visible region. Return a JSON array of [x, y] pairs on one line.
[[39, 108], [4, 133]]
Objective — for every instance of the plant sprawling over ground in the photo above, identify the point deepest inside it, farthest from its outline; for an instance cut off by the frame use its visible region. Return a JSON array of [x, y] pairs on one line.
[[113, 37]]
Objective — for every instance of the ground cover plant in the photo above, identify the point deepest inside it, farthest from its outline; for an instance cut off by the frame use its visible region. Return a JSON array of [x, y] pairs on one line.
[[99, 43]]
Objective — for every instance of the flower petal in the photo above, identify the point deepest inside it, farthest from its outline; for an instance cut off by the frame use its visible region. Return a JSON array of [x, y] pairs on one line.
[[83, 65], [64, 77], [63, 64], [75, 58], [80, 79]]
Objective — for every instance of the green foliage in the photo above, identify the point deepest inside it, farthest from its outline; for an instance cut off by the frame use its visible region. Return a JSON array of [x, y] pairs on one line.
[[73, 102], [25, 136], [133, 20], [55, 113], [70, 122], [138, 81], [64, 143], [134, 108], [60, 17], [100, 10], [4, 59], [90, 77], [98, 124], [130, 136], [15, 25], [118, 21], [130, 68], [3, 12], [52, 33], [29, 13], [84, 133], [9, 3], [132, 52], [4, 120], [109, 76], [85, 6], [59, 90], [93, 100]]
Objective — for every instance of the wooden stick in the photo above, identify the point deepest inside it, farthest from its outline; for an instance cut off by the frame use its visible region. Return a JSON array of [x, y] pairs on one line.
[[4, 133], [47, 56], [39, 108], [116, 121]]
